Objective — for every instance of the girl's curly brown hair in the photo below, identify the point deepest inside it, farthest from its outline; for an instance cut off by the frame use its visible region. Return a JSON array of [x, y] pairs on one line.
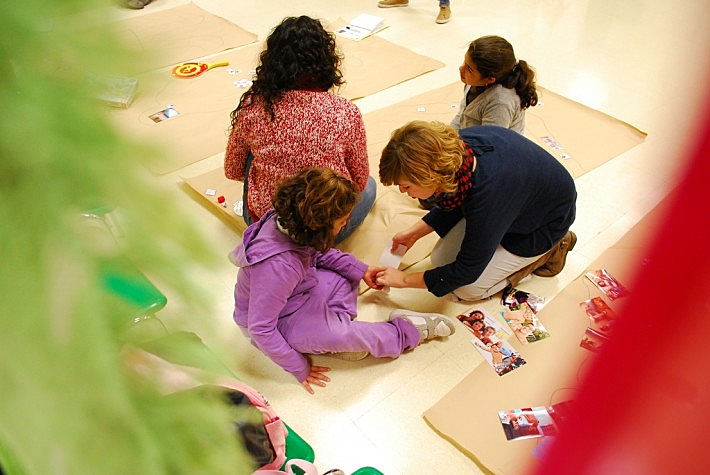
[[299, 54], [307, 205]]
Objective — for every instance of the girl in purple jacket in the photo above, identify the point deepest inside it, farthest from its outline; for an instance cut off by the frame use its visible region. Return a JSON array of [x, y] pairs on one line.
[[297, 295]]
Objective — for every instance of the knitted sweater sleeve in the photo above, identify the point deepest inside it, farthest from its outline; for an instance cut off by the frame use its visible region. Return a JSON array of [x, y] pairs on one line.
[[237, 150]]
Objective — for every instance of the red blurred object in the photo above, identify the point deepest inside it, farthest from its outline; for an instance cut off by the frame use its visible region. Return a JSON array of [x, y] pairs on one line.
[[644, 406]]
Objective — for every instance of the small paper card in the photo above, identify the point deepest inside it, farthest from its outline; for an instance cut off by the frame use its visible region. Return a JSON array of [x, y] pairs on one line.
[[362, 26], [168, 113], [392, 259]]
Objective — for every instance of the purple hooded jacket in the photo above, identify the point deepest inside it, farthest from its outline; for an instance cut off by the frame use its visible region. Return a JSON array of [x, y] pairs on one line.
[[279, 278]]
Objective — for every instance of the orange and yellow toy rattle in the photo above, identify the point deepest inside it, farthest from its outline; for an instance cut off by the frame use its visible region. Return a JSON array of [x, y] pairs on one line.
[[192, 70]]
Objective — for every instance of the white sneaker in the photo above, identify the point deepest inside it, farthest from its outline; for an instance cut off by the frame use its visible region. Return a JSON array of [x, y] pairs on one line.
[[430, 325]]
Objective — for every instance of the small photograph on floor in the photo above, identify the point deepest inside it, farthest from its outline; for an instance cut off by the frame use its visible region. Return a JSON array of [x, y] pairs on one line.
[[527, 423], [601, 316], [490, 340], [592, 340], [513, 298], [607, 283], [525, 324]]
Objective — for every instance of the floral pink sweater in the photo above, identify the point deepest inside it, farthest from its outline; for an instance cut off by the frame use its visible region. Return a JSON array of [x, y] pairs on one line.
[[310, 129]]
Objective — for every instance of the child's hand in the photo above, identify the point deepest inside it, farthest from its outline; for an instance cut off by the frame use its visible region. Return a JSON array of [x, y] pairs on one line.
[[316, 377], [389, 277], [370, 277]]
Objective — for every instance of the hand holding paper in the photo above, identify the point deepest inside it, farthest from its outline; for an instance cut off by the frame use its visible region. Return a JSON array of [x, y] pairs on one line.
[[392, 259]]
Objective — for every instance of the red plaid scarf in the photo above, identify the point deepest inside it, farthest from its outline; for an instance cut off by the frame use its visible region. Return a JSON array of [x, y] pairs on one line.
[[463, 182]]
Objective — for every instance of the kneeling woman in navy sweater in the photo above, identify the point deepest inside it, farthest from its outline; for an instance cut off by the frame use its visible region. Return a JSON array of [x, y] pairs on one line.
[[503, 207]]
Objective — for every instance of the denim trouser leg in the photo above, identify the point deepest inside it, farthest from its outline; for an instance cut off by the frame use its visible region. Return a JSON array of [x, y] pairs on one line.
[[360, 211], [356, 218]]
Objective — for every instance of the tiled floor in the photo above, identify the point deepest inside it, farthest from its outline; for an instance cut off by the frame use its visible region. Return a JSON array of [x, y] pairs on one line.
[[644, 62]]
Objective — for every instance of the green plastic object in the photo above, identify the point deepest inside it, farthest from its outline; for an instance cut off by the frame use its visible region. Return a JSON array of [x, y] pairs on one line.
[[367, 471], [297, 448], [122, 278]]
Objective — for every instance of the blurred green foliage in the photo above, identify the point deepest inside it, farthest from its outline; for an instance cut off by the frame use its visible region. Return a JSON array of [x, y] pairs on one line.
[[68, 406]]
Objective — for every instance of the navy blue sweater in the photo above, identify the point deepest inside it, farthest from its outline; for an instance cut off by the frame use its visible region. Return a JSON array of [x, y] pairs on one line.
[[522, 198]]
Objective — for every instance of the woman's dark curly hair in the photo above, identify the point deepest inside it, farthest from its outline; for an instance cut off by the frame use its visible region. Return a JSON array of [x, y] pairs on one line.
[[307, 205], [494, 57], [299, 54]]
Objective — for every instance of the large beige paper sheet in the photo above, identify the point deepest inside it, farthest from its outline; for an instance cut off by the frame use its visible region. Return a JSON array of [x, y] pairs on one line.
[[374, 64], [390, 213], [588, 137], [205, 102], [468, 414], [180, 34]]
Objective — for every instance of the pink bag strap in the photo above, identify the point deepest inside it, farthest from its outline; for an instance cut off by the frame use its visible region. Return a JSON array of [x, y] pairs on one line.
[[275, 427], [174, 377], [307, 467]]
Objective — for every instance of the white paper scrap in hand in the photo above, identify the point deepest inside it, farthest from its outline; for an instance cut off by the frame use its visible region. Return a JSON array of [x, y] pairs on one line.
[[392, 259]]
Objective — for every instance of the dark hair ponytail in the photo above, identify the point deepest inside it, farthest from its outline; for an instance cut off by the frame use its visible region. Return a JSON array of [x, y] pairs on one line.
[[494, 58], [522, 79]]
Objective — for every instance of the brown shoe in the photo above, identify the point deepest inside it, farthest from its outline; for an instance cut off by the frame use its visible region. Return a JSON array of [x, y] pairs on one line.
[[557, 258], [519, 275], [392, 3], [444, 15]]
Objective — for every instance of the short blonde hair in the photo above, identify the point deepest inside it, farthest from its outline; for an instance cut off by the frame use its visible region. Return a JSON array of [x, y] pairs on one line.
[[426, 153]]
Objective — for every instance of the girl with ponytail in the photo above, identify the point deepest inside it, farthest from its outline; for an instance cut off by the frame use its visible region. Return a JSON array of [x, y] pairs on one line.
[[498, 88]]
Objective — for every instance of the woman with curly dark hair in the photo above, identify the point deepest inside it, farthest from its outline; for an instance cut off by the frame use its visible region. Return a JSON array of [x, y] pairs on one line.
[[290, 120], [297, 295], [498, 87]]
